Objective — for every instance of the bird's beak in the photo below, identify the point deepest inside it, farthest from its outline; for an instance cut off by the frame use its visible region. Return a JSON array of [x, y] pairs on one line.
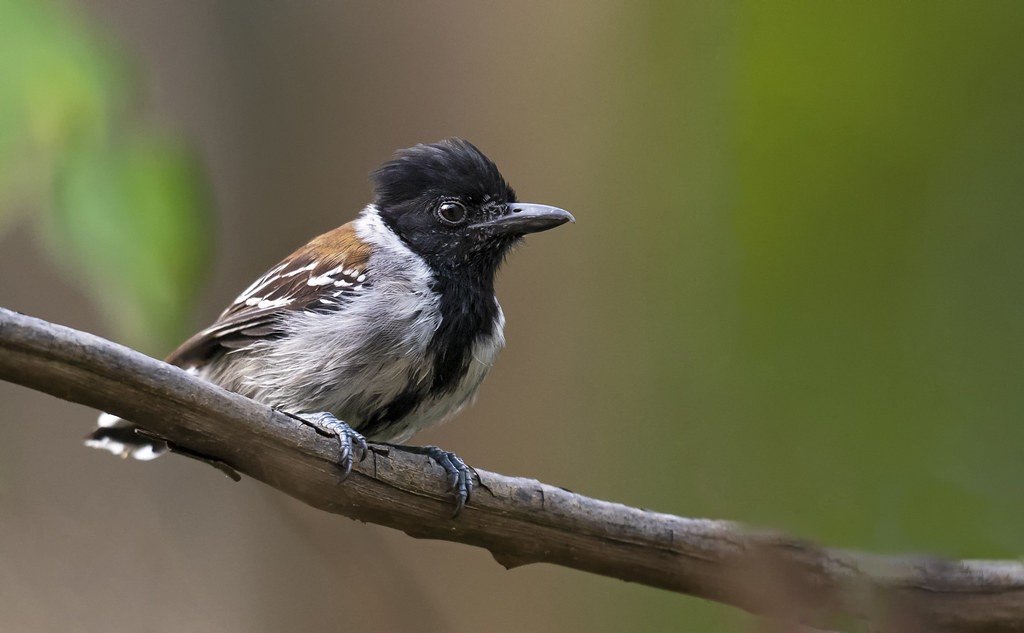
[[520, 218]]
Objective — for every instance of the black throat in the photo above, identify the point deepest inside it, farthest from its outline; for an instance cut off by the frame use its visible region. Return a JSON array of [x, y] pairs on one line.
[[468, 312]]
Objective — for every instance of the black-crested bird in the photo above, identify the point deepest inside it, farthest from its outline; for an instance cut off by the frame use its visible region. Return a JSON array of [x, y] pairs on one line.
[[381, 327]]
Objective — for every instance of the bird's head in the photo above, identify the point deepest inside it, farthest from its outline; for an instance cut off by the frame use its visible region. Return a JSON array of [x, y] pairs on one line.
[[451, 205]]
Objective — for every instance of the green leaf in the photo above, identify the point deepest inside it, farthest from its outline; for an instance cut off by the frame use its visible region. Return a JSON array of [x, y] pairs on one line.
[[130, 221], [58, 84]]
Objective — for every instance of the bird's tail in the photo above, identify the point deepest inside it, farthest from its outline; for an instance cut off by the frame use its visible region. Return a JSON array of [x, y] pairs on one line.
[[120, 438]]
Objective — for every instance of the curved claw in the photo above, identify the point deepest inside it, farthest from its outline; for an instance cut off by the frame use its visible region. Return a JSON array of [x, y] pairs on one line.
[[326, 424], [460, 476]]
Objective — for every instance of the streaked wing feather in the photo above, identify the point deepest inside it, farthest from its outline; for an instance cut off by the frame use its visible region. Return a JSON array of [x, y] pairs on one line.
[[321, 276]]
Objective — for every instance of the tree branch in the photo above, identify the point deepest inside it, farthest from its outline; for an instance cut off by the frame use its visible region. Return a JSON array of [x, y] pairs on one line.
[[519, 521]]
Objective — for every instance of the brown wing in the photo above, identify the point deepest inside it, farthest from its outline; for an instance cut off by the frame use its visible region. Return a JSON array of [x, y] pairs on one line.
[[320, 276]]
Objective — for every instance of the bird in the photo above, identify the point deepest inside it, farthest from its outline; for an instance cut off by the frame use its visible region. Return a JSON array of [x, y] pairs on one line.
[[381, 327]]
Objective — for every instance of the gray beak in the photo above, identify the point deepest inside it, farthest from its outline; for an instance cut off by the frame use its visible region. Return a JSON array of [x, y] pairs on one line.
[[521, 218]]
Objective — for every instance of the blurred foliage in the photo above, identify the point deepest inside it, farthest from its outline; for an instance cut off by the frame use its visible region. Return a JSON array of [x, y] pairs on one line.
[[880, 151], [824, 302], [798, 300], [122, 207]]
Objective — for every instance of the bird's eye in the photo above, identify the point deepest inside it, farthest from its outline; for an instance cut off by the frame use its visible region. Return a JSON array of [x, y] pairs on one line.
[[451, 212]]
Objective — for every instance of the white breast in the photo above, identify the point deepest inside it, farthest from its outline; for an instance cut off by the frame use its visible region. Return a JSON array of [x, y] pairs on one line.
[[436, 410]]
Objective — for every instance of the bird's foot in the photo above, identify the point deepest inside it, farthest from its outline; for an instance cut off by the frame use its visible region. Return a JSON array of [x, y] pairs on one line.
[[350, 443], [460, 476]]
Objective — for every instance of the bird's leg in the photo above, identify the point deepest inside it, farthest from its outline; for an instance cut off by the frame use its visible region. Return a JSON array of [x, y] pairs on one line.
[[349, 441], [460, 476]]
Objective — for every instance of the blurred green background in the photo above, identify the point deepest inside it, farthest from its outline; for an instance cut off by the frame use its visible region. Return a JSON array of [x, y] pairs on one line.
[[793, 297]]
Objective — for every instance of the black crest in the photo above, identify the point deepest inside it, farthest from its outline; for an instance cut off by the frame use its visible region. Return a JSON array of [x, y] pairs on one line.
[[453, 167]]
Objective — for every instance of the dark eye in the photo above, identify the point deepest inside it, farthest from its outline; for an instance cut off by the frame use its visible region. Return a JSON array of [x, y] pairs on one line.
[[451, 212]]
